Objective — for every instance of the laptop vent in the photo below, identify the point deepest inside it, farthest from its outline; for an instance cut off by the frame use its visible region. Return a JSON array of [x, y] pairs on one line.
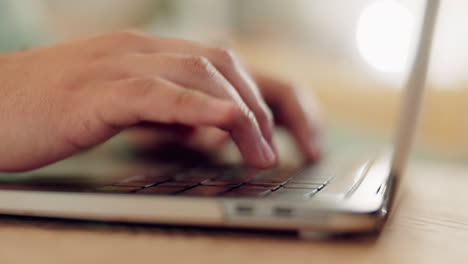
[[244, 209]]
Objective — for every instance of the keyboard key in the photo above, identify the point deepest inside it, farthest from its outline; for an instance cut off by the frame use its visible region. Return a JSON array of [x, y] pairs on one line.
[[237, 172], [178, 184], [293, 185], [265, 184], [310, 178], [118, 189], [232, 177], [313, 175], [194, 176], [256, 186], [247, 192], [154, 177], [284, 193], [275, 176], [206, 191], [210, 182], [160, 190], [135, 183]]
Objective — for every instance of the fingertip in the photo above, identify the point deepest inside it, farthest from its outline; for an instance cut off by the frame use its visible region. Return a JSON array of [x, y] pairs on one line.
[[267, 124], [274, 149], [270, 158], [259, 155], [265, 158]]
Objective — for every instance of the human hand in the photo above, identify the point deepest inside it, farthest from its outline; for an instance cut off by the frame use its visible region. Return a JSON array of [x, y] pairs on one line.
[[60, 100], [292, 108]]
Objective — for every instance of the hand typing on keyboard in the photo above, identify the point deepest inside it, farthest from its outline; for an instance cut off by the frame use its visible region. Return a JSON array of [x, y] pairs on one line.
[[60, 100], [234, 182]]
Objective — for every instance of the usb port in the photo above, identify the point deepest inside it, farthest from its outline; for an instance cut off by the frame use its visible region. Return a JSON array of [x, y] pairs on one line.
[[282, 211]]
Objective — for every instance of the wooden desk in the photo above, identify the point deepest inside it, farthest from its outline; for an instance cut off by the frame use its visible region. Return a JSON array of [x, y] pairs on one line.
[[430, 226]]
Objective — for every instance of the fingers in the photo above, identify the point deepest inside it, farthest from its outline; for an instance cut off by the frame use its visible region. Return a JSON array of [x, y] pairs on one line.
[[157, 100], [296, 110], [149, 136], [186, 70], [230, 67], [223, 60], [218, 72], [132, 101], [208, 138]]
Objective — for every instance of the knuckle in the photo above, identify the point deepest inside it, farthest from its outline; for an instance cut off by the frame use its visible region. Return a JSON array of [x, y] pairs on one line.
[[196, 62], [200, 66], [225, 56], [107, 69], [141, 87], [182, 97]]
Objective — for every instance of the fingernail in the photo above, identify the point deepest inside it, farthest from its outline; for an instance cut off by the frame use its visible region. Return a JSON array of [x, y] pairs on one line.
[[269, 157]]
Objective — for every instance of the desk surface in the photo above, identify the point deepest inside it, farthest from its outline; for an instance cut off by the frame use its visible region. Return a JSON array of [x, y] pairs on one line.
[[430, 226]]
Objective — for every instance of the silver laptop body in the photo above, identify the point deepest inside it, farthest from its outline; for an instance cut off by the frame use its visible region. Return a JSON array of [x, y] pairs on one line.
[[334, 197]]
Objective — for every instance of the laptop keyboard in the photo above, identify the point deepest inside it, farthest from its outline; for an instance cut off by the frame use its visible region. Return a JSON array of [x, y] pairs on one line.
[[232, 182]]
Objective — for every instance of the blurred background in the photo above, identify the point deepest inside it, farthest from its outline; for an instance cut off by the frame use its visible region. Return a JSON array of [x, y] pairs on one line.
[[353, 55]]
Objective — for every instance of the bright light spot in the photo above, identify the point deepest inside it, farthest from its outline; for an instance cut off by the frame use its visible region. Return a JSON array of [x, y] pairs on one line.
[[384, 35]]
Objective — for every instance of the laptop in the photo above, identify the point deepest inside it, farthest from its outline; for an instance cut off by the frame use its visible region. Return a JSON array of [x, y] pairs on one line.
[[343, 194]]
